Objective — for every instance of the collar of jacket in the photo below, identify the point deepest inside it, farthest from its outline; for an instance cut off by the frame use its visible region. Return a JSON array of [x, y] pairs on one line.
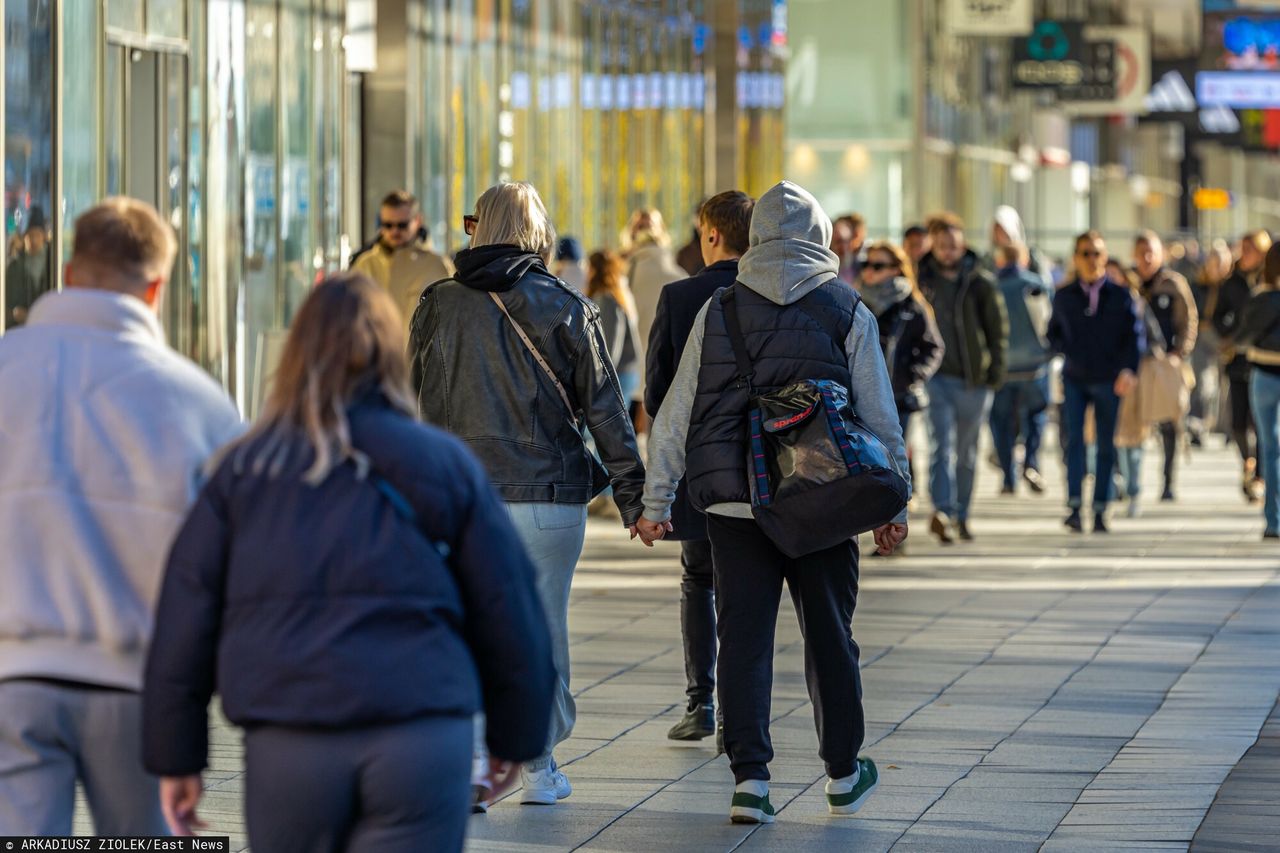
[[497, 268], [730, 265], [98, 309]]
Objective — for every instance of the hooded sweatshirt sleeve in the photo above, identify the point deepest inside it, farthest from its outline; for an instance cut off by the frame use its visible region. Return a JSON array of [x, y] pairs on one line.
[[670, 428], [872, 392]]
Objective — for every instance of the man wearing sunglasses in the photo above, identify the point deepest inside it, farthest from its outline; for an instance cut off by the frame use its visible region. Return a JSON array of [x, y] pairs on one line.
[[401, 260], [1098, 328]]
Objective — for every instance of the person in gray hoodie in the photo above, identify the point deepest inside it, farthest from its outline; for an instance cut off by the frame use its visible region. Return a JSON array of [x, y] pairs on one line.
[[799, 321]]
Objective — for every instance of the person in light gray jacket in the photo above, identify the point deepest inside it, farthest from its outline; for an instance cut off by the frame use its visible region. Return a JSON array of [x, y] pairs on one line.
[[789, 302], [106, 430]]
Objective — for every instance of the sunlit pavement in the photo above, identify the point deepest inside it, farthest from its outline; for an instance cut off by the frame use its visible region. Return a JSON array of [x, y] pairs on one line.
[[1030, 690]]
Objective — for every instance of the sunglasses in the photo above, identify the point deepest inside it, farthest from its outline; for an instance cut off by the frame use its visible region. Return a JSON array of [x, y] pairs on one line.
[[1090, 253], [469, 224], [397, 226], [878, 266]]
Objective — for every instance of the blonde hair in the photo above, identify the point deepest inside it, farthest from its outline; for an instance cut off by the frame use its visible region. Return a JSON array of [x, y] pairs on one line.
[[1219, 254], [124, 243], [905, 267], [512, 213], [347, 337], [645, 226]]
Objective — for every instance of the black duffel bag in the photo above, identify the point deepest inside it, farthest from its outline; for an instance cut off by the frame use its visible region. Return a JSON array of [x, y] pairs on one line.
[[818, 475]]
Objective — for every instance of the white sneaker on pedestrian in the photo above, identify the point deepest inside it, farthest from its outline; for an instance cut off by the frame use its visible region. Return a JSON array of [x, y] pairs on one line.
[[1135, 508], [544, 787]]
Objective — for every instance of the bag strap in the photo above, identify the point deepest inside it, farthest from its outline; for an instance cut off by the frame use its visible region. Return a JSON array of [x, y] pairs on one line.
[[537, 356], [729, 306]]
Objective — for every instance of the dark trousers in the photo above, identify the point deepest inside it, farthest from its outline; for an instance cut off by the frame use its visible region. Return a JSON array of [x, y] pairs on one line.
[[403, 787], [750, 571], [698, 620], [1019, 410], [1170, 433], [1078, 396], [1241, 418]]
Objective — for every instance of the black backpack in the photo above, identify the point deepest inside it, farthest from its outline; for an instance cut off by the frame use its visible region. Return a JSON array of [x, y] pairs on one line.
[[818, 475]]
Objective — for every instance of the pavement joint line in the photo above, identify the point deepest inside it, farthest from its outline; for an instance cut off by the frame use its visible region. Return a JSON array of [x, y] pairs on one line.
[[1042, 706], [1165, 697], [621, 672]]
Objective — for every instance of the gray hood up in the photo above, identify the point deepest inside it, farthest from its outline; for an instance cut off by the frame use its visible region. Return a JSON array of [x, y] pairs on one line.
[[788, 255]]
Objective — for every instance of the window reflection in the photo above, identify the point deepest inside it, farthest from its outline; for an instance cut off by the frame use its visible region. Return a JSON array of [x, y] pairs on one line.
[[28, 116]]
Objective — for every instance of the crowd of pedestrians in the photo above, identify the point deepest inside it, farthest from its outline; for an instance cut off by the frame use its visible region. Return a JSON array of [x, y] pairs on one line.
[[374, 576]]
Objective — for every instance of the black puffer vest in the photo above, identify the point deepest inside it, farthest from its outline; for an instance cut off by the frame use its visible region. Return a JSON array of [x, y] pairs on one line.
[[786, 343]]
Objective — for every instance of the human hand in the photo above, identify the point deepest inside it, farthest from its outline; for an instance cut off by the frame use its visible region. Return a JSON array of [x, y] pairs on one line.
[[650, 531], [889, 536], [1125, 383], [179, 796], [502, 776]]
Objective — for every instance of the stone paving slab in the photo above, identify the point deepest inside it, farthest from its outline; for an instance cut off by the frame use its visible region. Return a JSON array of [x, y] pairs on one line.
[[1032, 690]]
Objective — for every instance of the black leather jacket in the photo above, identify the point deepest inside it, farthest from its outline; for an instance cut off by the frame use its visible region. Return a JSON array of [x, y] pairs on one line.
[[475, 378]]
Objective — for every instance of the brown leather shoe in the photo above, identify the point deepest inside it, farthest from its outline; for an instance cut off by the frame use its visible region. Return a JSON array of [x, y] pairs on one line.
[[940, 526]]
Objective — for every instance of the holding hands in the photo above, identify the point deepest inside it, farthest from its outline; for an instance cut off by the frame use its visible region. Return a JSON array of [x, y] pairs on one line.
[[650, 531]]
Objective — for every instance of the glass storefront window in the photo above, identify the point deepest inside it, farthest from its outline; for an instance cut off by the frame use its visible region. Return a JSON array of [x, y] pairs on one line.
[[125, 15], [80, 137], [28, 163], [167, 18]]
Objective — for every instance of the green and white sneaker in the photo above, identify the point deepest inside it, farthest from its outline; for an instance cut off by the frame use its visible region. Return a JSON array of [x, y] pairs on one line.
[[846, 796], [751, 803]]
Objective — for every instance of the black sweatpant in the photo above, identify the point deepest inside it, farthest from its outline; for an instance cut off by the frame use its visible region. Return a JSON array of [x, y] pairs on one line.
[[1170, 433], [698, 620], [824, 589], [401, 787]]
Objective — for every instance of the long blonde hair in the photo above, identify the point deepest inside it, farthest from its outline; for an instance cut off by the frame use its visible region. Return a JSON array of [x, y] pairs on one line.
[[347, 337]]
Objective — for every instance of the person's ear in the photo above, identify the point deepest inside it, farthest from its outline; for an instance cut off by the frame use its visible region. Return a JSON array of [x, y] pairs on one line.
[[713, 236], [151, 294]]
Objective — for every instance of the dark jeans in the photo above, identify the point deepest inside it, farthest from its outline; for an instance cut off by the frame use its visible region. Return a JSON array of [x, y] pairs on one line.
[[1170, 433], [1078, 397], [1019, 410], [1241, 418], [402, 787], [698, 620], [824, 590]]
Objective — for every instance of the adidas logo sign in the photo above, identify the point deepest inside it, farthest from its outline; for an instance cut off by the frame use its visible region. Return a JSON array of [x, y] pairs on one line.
[[1171, 94], [1219, 120]]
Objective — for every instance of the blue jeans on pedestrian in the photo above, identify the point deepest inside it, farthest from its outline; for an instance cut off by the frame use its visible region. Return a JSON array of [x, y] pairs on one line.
[[1129, 460], [1078, 396], [956, 414], [1264, 399], [1019, 410]]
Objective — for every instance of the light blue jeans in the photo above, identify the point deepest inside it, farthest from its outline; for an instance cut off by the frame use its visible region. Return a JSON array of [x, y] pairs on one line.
[[1264, 398], [552, 535], [956, 415]]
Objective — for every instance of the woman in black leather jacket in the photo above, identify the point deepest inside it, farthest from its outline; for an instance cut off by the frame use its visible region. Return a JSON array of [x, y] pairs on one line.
[[909, 335], [514, 362], [1258, 339]]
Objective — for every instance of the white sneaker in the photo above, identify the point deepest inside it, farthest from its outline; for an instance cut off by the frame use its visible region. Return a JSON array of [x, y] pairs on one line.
[[544, 787], [1135, 508]]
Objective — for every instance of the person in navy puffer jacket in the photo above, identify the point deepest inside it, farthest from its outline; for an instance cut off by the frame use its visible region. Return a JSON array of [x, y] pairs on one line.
[[351, 585]]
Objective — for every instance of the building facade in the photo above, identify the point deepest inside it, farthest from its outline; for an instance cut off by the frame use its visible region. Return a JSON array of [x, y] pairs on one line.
[[265, 131]]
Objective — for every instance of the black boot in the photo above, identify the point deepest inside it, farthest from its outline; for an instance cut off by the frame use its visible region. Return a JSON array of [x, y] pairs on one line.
[[698, 722], [1074, 522]]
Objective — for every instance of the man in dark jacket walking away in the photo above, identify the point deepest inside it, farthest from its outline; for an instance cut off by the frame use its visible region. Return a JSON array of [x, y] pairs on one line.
[[1021, 403], [798, 321], [724, 223], [975, 330], [1098, 328]]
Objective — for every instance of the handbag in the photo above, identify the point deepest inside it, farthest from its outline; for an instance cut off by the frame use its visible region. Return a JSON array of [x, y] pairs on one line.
[[818, 475], [599, 476]]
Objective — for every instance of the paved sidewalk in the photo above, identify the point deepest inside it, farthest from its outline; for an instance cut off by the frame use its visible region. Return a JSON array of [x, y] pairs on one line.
[[1030, 690]]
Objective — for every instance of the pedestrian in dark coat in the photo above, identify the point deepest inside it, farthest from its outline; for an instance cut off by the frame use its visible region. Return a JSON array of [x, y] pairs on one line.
[[351, 586], [724, 225]]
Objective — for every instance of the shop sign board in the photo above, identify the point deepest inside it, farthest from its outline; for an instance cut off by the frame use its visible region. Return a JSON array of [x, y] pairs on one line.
[[989, 17], [1057, 56], [1132, 73]]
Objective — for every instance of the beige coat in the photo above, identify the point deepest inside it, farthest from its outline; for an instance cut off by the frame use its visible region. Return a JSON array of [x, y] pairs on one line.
[[404, 272], [652, 268]]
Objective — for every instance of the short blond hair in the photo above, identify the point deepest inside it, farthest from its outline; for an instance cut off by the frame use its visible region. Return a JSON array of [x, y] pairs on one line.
[[513, 213], [124, 240]]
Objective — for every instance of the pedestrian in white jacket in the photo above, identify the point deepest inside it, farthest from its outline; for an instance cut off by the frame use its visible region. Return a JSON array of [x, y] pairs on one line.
[[104, 432]]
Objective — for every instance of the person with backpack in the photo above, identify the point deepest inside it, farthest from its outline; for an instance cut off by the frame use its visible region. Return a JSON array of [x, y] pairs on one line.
[[788, 318], [1019, 409], [350, 585], [514, 362]]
